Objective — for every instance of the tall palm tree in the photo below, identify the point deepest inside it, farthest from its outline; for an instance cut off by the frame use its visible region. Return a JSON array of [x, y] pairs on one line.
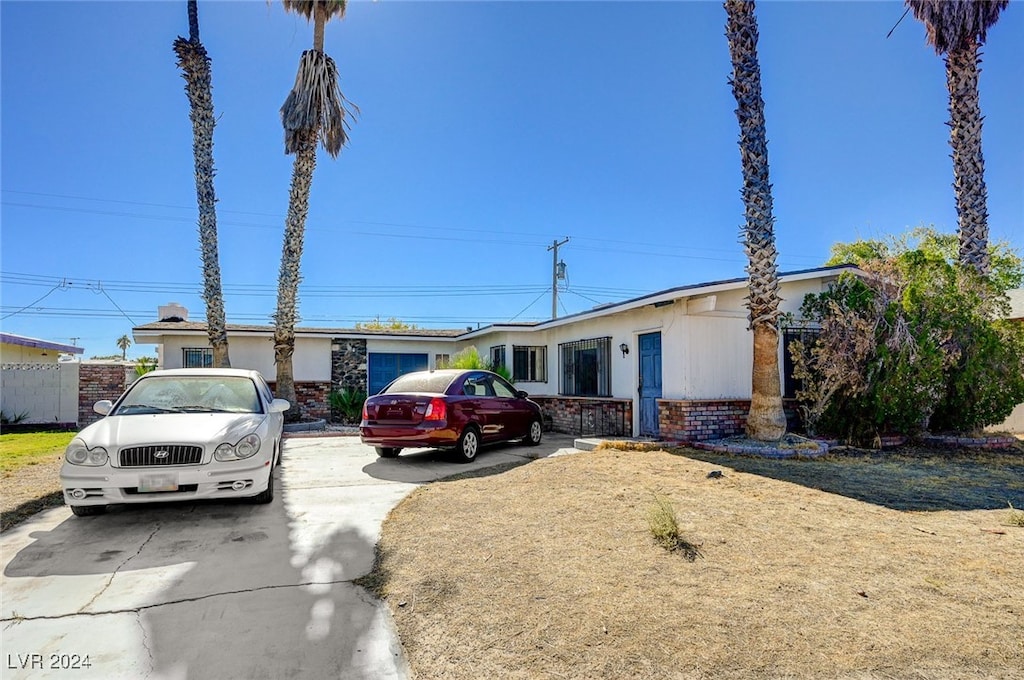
[[957, 28], [123, 343], [767, 419], [315, 110], [195, 65]]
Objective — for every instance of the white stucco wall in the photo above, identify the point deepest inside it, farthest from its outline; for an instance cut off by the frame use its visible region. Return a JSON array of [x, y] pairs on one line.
[[19, 354], [311, 361]]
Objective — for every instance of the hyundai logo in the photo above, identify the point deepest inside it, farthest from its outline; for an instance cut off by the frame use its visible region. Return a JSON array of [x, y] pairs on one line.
[[161, 454]]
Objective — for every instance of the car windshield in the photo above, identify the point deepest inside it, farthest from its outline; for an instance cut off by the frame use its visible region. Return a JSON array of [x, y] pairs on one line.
[[435, 383], [190, 394]]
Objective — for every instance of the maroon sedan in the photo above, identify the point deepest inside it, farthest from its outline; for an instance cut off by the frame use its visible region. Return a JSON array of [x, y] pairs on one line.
[[450, 409]]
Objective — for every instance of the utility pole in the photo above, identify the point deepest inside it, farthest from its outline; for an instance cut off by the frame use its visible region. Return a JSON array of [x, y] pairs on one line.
[[554, 274]]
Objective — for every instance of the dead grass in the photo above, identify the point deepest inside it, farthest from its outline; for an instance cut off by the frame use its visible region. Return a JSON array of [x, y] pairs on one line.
[[29, 489], [549, 570]]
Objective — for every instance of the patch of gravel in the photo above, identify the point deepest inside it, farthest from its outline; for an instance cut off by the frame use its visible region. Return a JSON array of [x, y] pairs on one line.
[[29, 490]]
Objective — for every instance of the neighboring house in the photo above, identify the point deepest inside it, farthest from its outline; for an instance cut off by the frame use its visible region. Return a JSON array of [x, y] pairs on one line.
[[35, 386], [674, 364]]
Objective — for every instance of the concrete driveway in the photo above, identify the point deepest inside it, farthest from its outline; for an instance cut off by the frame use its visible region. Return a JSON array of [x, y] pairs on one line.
[[222, 590]]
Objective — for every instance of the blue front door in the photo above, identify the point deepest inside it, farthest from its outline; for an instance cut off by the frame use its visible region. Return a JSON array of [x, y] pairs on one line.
[[383, 367], [650, 383]]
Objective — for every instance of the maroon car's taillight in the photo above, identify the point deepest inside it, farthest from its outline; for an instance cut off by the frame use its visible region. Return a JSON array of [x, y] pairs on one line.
[[365, 415], [436, 410]]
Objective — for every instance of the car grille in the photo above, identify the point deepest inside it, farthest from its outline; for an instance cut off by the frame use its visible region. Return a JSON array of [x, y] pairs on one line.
[[160, 456]]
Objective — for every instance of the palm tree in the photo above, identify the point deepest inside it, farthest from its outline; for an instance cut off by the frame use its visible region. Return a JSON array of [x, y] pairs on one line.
[[314, 111], [767, 419], [195, 65], [123, 343], [957, 28]]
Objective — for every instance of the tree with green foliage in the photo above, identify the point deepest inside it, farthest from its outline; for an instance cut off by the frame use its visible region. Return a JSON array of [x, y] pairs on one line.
[[914, 342], [123, 343], [958, 28], [390, 324]]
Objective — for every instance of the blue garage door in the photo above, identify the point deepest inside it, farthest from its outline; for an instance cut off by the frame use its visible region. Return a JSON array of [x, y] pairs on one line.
[[383, 367]]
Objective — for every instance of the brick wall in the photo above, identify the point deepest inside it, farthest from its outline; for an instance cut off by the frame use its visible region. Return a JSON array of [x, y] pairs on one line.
[[96, 382], [312, 398], [588, 415], [700, 420]]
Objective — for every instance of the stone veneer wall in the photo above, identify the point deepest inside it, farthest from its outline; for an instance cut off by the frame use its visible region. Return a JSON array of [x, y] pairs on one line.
[[700, 420], [312, 398], [96, 382], [348, 364], [588, 415]]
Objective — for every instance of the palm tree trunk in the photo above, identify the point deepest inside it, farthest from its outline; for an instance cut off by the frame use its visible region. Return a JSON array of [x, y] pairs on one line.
[[288, 280], [195, 64], [968, 163], [767, 419]]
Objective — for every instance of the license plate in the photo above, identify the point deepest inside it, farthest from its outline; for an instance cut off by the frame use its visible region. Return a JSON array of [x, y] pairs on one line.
[[155, 483]]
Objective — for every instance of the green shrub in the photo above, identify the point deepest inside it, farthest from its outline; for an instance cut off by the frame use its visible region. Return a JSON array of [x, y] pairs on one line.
[[348, 404], [470, 360]]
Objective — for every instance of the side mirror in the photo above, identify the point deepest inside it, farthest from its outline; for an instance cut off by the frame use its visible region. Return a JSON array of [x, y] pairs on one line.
[[279, 406], [103, 407], [521, 394]]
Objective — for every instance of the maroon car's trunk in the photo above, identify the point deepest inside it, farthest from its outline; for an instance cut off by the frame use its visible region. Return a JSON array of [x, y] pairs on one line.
[[397, 409]]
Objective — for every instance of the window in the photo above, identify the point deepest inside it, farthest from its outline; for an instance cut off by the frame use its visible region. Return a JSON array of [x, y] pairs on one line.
[[530, 364], [805, 335], [586, 368], [197, 357], [497, 356], [442, 360]]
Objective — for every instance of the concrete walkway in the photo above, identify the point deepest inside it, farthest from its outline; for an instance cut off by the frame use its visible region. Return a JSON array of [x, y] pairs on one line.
[[222, 590]]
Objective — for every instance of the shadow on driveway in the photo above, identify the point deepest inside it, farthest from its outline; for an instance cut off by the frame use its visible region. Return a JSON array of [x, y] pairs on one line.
[[420, 466], [903, 479]]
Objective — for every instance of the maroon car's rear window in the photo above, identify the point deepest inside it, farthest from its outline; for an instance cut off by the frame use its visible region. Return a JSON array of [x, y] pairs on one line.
[[420, 382]]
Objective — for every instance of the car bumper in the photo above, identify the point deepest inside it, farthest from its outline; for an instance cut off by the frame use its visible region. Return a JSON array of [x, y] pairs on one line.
[[106, 485], [408, 436]]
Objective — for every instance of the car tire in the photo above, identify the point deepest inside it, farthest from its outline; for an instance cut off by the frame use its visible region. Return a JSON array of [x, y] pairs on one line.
[[88, 510], [387, 452], [280, 455], [266, 496], [468, 446], [535, 434]]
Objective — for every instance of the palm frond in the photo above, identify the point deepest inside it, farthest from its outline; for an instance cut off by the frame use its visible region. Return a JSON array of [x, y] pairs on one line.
[[951, 23], [317, 103], [307, 8]]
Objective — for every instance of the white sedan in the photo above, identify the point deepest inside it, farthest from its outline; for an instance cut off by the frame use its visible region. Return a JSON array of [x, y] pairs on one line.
[[178, 435]]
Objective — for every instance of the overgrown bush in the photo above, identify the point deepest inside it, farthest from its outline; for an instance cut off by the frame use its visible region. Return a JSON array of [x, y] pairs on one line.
[[348, 404], [469, 359], [914, 344]]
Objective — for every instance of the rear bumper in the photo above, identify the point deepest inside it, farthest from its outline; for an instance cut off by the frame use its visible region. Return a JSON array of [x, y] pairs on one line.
[[408, 436]]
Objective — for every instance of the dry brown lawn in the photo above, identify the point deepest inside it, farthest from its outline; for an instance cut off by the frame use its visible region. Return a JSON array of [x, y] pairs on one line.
[[549, 570]]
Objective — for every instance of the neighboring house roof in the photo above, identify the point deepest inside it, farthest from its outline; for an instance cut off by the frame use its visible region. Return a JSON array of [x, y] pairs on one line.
[[662, 297], [25, 341]]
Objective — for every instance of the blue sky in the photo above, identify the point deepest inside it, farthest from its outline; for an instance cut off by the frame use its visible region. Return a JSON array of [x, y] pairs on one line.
[[487, 130]]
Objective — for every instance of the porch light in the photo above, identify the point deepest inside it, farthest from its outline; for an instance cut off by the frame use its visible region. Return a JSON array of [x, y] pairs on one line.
[[625, 349]]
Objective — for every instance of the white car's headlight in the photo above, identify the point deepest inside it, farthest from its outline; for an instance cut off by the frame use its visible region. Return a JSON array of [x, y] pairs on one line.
[[78, 453], [246, 448]]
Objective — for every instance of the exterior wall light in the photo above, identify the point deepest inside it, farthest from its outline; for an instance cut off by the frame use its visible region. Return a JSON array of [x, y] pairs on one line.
[[625, 349]]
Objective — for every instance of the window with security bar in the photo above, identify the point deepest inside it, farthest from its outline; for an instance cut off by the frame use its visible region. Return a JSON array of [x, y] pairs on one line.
[[498, 357], [529, 364], [586, 368], [197, 357]]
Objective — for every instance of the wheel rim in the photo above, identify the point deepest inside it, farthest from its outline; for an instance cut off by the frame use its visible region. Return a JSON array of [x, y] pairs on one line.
[[535, 431], [469, 444]]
